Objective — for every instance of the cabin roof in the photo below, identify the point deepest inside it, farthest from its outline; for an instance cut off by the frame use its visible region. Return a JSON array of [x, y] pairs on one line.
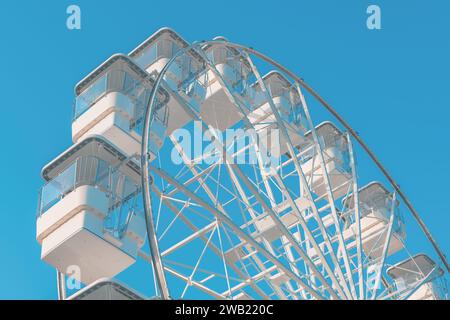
[[324, 127], [271, 76], [420, 263], [117, 58], [165, 31], [99, 289], [364, 191], [48, 172]]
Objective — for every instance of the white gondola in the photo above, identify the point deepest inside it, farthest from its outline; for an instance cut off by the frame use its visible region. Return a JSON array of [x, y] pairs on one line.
[[287, 101], [106, 289], [111, 102], [86, 217], [182, 79], [218, 110], [419, 278], [375, 209], [157, 50], [335, 154]]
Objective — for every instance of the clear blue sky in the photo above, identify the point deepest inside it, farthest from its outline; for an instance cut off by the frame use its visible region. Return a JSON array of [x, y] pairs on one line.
[[392, 85]]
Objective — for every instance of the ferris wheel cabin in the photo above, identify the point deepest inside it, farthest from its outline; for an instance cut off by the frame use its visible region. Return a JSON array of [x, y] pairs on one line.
[[111, 101], [286, 100], [86, 214], [182, 80], [419, 278], [376, 206], [229, 75], [337, 162]]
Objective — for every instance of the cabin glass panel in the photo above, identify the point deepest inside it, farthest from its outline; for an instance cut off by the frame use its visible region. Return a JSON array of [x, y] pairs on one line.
[[116, 80]]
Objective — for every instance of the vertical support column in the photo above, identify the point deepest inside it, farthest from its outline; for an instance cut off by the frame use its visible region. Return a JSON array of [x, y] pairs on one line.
[[61, 284]]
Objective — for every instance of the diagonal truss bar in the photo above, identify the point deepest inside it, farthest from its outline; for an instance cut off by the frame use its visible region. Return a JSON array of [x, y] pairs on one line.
[[196, 284]]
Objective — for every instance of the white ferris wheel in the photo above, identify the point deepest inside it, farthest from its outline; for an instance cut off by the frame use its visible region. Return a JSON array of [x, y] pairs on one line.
[[204, 160]]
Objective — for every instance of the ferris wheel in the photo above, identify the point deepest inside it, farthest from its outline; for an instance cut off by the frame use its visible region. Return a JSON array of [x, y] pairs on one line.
[[211, 157]]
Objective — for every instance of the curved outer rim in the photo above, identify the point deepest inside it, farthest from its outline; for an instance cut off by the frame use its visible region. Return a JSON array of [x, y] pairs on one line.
[[147, 180]]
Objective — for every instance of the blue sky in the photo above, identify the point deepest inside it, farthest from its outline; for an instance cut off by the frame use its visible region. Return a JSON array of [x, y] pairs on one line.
[[390, 84]]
